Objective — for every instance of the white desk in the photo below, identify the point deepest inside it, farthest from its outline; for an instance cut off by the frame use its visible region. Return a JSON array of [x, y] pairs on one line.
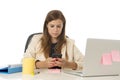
[[44, 75]]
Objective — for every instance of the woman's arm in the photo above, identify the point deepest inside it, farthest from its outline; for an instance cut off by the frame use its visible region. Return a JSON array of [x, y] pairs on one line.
[[65, 64], [40, 64], [75, 57], [78, 58], [71, 65]]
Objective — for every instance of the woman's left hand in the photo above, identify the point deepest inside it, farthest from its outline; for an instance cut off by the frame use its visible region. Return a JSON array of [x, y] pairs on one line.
[[60, 62], [64, 63]]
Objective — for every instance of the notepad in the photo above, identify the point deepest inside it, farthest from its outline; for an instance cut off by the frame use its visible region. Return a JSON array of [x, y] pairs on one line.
[[54, 70], [13, 68]]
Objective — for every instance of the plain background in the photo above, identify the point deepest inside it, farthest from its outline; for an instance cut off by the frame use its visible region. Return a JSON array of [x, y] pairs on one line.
[[85, 19]]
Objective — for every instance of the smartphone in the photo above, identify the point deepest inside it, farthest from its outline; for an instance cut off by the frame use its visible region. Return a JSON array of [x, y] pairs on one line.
[[56, 55]]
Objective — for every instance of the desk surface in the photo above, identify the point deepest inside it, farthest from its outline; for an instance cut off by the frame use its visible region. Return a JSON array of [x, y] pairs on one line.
[[53, 76]]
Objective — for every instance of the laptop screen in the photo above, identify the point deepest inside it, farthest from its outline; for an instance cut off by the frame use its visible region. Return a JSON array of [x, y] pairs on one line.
[[102, 57]]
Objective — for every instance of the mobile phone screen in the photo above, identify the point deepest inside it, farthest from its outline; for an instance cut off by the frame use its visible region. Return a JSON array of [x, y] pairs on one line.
[[56, 55]]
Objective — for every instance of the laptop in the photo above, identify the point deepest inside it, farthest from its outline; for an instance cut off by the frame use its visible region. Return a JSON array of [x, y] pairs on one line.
[[102, 58]]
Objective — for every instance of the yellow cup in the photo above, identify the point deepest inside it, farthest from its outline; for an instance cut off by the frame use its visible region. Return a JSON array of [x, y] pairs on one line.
[[28, 66]]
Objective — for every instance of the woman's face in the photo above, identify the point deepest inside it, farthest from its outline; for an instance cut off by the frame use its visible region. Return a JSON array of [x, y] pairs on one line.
[[55, 28]]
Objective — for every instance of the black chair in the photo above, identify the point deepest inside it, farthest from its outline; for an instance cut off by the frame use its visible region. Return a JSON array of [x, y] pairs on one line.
[[29, 40]]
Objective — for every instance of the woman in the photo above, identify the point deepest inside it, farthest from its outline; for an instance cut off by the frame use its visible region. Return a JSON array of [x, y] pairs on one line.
[[53, 40]]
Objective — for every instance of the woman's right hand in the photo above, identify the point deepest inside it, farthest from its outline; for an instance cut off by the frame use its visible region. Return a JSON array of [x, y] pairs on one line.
[[50, 62]]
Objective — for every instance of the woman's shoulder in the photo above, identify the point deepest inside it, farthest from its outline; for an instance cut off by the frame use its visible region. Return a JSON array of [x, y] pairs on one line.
[[69, 40], [37, 37]]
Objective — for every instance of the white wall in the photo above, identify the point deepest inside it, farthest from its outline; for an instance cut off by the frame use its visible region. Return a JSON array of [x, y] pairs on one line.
[[85, 19]]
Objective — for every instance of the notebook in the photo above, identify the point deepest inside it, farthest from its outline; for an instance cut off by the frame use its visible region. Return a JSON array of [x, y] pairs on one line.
[[102, 58], [13, 68]]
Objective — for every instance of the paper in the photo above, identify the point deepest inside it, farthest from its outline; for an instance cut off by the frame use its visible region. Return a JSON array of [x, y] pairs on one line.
[[106, 59], [54, 70], [28, 66], [115, 56]]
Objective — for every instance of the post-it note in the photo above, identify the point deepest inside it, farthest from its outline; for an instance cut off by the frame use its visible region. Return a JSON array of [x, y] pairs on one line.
[[115, 56], [106, 59], [54, 70]]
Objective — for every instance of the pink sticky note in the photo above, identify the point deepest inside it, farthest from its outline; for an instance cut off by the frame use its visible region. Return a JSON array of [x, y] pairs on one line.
[[115, 55], [106, 59], [54, 70]]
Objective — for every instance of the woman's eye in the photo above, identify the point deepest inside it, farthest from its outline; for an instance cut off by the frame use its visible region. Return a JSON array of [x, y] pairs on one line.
[[52, 26], [58, 26]]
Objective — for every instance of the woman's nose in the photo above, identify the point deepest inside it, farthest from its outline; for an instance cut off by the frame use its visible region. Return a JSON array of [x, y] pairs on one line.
[[55, 28]]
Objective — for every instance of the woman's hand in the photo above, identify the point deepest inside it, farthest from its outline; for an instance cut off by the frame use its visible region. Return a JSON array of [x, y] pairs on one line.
[[64, 63], [50, 62], [60, 62]]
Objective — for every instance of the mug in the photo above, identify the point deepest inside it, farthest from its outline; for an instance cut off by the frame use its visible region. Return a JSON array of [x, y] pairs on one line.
[[28, 66]]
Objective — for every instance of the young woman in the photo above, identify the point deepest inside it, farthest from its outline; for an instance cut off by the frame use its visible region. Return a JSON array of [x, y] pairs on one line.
[[53, 40]]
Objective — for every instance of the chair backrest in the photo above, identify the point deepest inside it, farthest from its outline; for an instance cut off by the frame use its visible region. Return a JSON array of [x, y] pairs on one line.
[[29, 39]]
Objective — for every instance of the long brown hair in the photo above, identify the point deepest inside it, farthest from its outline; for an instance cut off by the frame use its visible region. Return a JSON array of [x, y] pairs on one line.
[[46, 39]]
